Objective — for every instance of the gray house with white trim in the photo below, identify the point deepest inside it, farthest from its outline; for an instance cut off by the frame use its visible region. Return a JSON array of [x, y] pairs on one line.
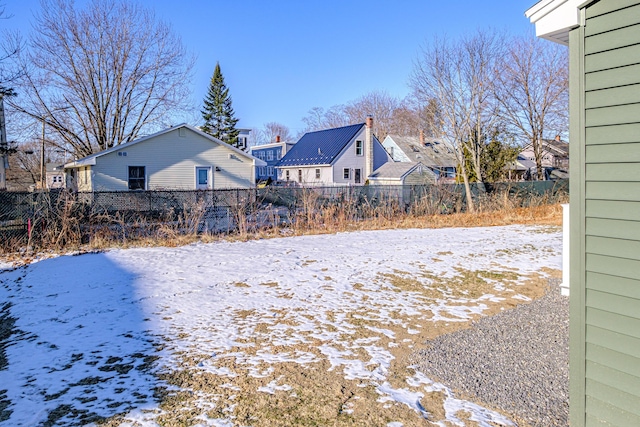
[[604, 42]]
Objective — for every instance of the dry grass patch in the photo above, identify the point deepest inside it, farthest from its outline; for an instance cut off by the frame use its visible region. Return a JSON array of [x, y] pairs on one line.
[[309, 388]]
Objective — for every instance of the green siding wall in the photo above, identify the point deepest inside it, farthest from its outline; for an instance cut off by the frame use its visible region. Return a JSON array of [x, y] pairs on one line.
[[607, 343]]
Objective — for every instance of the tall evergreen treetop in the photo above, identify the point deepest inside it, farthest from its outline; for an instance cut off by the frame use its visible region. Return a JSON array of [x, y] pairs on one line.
[[217, 112]]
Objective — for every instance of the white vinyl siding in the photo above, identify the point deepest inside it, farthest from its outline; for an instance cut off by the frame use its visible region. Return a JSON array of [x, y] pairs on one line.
[[349, 159], [309, 175], [170, 161]]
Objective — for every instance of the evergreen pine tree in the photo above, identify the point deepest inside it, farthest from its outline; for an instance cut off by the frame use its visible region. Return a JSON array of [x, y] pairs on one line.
[[217, 112]]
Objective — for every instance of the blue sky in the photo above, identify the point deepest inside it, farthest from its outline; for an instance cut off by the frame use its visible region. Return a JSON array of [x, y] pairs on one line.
[[282, 58]]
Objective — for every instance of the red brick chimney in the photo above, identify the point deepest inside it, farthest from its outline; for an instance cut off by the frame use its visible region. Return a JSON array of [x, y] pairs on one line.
[[368, 141], [277, 138], [421, 137]]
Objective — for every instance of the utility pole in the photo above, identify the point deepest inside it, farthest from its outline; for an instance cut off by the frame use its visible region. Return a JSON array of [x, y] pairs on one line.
[[42, 183], [4, 148]]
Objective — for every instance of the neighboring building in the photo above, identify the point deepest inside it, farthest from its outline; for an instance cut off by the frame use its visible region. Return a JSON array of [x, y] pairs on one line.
[[243, 139], [604, 47], [181, 158], [55, 176], [521, 169], [555, 153], [339, 156], [402, 173], [436, 155], [271, 155]]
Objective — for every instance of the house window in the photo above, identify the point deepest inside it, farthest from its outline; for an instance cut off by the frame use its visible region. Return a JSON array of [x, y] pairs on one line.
[[345, 173], [136, 178], [286, 174], [260, 155], [263, 171], [359, 150], [317, 173], [269, 170], [279, 153], [270, 155], [357, 175], [299, 175]]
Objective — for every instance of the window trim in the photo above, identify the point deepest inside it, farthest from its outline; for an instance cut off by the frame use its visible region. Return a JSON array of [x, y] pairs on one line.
[[317, 173], [357, 176], [143, 178], [359, 148], [209, 184], [346, 173], [300, 176]]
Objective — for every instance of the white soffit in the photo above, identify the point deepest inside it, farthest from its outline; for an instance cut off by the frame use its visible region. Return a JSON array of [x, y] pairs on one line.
[[554, 18]]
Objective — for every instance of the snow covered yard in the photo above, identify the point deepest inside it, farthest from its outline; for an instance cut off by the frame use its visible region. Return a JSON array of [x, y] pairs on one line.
[[312, 330]]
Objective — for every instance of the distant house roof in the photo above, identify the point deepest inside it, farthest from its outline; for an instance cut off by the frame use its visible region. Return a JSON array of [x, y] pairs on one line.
[[91, 160], [557, 147], [394, 170], [54, 167], [270, 145], [432, 153], [522, 164], [320, 147]]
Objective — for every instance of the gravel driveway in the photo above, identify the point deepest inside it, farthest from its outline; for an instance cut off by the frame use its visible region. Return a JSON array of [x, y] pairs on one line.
[[517, 361]]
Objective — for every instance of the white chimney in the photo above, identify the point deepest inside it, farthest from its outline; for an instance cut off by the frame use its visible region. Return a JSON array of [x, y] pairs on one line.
[[368, 142]]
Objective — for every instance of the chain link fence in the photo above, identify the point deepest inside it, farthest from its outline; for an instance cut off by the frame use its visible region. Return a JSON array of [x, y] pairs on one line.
[[57, 219]]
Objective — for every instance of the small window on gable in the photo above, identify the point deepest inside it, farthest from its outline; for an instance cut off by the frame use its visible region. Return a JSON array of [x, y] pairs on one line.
[[317, 173], [299, 175], [286, 174], [270, 155], [359, 148], [346, 174]]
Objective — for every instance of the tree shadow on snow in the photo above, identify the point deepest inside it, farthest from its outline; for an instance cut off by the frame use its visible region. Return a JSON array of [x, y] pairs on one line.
[[75, 345]]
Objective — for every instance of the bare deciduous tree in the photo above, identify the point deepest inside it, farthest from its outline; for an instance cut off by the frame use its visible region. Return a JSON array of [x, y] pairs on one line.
[[458, 76], [378, 104], [533, 91], [413, 116], [100, 76], [318, 118], [272, 130]]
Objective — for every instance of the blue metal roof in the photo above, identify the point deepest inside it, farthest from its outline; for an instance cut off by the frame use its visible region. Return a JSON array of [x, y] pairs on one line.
[[321, 147]]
